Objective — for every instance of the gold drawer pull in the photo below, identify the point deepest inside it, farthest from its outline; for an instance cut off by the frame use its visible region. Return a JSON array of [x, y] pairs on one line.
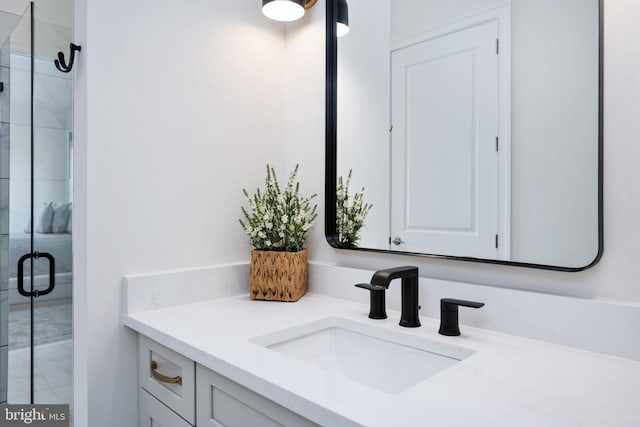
[[163, 378]]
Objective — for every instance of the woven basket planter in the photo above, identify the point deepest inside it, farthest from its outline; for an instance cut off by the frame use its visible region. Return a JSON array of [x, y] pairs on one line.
[[278, 276]]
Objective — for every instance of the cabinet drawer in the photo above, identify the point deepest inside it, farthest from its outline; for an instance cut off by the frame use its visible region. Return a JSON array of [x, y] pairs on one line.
[[224, 403], [153, 413], [168, 376]]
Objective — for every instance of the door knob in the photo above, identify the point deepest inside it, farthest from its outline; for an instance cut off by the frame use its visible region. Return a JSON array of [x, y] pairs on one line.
[[397, 241]]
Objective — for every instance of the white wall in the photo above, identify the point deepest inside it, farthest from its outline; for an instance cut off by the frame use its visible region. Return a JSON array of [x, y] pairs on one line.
[[615, 276], [304, 104], [179, 105]]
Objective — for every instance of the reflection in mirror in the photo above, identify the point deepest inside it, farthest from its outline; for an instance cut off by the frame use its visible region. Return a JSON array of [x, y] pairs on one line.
[[474, 127]]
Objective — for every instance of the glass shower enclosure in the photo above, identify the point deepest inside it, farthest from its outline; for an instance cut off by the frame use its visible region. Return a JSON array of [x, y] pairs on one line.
[[36, 205]]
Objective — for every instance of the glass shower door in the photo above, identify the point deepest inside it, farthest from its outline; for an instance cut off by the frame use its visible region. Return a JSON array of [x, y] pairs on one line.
[[40, 208], [16, 124], [6, 266], [52, 202]]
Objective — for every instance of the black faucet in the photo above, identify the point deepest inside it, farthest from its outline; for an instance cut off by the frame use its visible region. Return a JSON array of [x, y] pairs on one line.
[[380, 282], [449, 315]]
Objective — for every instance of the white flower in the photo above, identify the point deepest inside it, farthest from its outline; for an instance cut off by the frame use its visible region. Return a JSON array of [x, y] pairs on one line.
[[350, 212], [279, 216]]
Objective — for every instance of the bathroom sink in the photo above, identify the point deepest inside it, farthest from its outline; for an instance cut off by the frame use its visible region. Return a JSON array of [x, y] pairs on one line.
[[383, 359]]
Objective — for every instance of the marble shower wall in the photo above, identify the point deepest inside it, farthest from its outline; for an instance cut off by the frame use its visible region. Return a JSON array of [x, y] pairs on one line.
[[4, 217], [52, 132]]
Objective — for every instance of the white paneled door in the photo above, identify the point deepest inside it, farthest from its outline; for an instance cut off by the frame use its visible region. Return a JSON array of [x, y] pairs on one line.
[[444, 159]]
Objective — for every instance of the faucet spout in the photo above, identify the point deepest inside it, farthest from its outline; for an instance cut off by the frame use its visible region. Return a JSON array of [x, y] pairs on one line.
[[409, 275]]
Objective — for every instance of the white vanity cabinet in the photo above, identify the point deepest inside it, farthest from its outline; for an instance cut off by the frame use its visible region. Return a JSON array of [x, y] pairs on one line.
[[176, 392], [152, 412], [167, 385], [222, 402]]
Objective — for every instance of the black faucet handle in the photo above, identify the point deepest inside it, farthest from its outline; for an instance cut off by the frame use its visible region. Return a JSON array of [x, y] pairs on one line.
[[377, 309], [452, 303], [449, 324], [370, 287]]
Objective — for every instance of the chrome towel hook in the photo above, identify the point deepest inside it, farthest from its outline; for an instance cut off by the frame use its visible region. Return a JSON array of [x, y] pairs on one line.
[[61, 64]]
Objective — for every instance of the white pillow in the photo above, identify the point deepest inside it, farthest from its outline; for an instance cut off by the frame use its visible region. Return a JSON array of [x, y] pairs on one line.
[[60, 220], [45, 218]]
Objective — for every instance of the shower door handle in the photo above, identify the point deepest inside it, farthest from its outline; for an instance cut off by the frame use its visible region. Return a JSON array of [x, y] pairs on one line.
[[52, 277]]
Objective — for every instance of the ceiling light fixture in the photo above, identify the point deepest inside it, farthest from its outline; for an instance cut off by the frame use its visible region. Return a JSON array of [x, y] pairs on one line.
[[286, 10], [343, 18]]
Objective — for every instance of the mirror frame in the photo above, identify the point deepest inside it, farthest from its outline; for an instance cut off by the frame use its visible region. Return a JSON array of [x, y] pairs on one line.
[[331, 145]]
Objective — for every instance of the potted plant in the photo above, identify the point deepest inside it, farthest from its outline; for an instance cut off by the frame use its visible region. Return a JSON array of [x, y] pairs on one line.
[[277, 223], [351, 211]]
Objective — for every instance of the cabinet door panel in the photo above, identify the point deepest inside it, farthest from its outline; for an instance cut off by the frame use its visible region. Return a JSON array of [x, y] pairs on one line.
[[231, 412], [153, 413], [224, 403]]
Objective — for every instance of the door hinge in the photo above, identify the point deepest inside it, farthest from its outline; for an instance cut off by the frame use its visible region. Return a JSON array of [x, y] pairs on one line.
[[497, 143], [496, 241], [389, 240], [497, 46], [1, 86]]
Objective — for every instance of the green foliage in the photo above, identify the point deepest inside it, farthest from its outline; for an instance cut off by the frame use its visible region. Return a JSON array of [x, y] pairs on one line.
[[278, 219], [350, 212]]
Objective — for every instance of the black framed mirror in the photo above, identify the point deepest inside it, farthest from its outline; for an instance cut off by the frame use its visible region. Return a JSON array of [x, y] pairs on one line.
[[475, 128]]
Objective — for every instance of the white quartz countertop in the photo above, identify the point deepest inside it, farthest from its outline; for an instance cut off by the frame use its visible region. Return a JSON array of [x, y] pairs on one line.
[[508, 381]]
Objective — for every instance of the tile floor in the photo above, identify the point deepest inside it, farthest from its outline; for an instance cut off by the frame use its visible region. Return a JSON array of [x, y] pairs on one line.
[[53, 373], [53, 352]]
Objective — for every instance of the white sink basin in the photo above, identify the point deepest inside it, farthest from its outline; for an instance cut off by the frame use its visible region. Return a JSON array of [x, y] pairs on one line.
[[386, 360]]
